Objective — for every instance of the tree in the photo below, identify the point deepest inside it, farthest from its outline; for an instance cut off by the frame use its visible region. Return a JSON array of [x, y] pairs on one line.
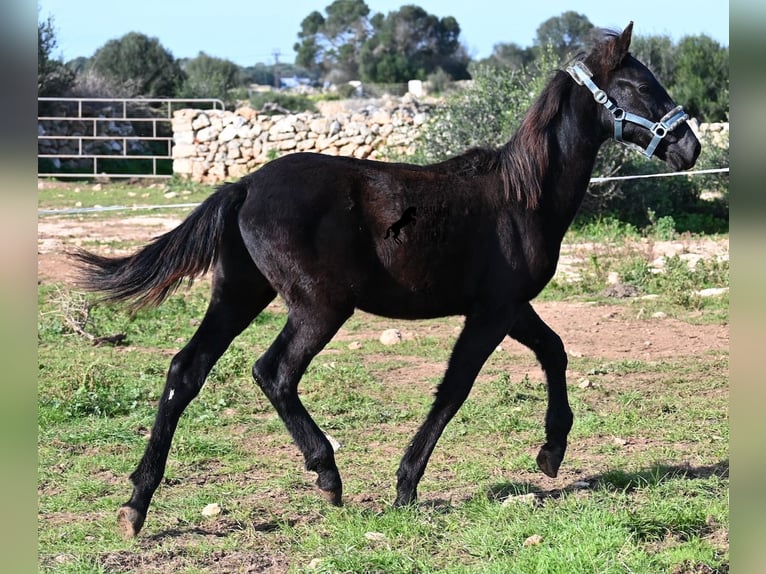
[[260, 73], [410, 43], [137, 65], [208, 77], [566, 33], [53, 77], [510, 56], [406, 44], [659, 55], [331, 45], [701, 82]]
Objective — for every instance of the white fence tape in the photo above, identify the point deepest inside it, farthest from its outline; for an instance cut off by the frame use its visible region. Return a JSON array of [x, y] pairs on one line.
[[669, 174], [98, 209]]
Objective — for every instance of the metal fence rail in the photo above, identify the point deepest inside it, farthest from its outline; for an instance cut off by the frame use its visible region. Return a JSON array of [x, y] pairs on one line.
[[102, 136]]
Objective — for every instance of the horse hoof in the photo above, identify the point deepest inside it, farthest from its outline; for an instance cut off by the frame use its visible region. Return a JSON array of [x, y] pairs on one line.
[[405, 500], [549, 460], [130, 521], [334, 497]]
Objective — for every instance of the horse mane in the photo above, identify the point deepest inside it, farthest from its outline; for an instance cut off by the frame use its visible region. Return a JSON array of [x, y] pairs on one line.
[[525, 159], [472, 162]]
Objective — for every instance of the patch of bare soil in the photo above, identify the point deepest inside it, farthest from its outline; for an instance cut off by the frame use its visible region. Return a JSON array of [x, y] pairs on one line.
[[58, 235]]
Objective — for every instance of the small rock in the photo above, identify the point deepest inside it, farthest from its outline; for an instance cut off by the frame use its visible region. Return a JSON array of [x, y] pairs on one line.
[[584, 384], [375, 536], [579, 484], [620, 290], [575, 354], [659, 315], [315, 563], [355, 346], [170, 195], [213, 509], [531, 498], [712, 291], [533, 540], [390, 337], [619, 441]]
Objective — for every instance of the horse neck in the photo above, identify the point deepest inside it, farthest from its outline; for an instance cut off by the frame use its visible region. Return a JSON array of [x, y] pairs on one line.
[[574, 141]]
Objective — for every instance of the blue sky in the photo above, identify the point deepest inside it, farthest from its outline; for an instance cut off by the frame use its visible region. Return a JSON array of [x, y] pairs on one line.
[[250, 31]]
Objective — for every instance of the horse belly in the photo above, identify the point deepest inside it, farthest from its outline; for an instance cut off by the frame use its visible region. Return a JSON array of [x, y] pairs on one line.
[[414, 289], [399, 303]]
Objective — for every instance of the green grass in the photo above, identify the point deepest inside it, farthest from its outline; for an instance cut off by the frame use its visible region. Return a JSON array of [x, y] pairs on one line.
[[650, 438], [611, 247], [85, 194], [654, 504]]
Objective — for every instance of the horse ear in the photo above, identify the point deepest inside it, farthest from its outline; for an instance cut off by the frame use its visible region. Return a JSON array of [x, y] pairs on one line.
[[618, 49], [625, 38]]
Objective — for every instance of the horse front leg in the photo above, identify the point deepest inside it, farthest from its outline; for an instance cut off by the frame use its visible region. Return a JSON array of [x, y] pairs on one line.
[[480, 336], [531, 331]]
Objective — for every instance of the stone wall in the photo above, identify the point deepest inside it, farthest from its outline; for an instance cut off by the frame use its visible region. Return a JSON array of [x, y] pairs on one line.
[[716, 133], [210, 146]]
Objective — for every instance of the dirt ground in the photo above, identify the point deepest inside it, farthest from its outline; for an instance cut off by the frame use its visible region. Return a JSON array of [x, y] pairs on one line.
[[604, 331]]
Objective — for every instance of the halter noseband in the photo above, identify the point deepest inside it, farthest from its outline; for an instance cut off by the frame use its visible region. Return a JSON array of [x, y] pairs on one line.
[[582, 75]]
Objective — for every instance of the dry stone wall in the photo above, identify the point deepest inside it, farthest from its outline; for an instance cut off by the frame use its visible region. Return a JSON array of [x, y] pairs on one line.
[[716, 133], [210, 146]]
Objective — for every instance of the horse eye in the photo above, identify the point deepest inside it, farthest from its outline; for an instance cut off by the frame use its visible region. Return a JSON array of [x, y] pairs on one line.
[[643, 89]]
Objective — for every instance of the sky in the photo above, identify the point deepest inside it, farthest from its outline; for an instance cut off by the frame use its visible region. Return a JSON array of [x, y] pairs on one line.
[[251, 31]]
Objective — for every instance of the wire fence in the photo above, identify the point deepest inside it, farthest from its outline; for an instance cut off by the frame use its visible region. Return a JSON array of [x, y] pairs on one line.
[[99, 209]]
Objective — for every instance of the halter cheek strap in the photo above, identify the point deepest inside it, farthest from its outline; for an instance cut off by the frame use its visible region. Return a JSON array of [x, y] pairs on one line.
[[582, 75]]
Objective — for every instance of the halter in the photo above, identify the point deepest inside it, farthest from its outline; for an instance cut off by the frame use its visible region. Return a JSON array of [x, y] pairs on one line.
[[582, 75]]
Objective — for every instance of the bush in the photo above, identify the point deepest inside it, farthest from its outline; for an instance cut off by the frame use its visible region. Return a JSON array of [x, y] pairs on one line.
[[645, 202], [485, 114], [277, 102]]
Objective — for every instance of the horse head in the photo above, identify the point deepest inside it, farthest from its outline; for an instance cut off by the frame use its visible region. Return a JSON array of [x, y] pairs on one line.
[[635, 108]]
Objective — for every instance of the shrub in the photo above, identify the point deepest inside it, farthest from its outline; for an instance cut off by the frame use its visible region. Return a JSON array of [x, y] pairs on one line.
[[485, 114], [276, 102]]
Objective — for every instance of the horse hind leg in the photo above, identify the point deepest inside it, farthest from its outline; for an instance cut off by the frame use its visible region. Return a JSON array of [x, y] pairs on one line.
[[239, 294], [530, 330], [278, 373]]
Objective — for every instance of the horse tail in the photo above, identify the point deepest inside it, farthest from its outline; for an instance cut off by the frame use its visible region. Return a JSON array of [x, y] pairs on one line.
[[148, 276]]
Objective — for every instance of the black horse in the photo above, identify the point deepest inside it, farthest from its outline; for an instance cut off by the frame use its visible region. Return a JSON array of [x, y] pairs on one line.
[[311, 228]]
